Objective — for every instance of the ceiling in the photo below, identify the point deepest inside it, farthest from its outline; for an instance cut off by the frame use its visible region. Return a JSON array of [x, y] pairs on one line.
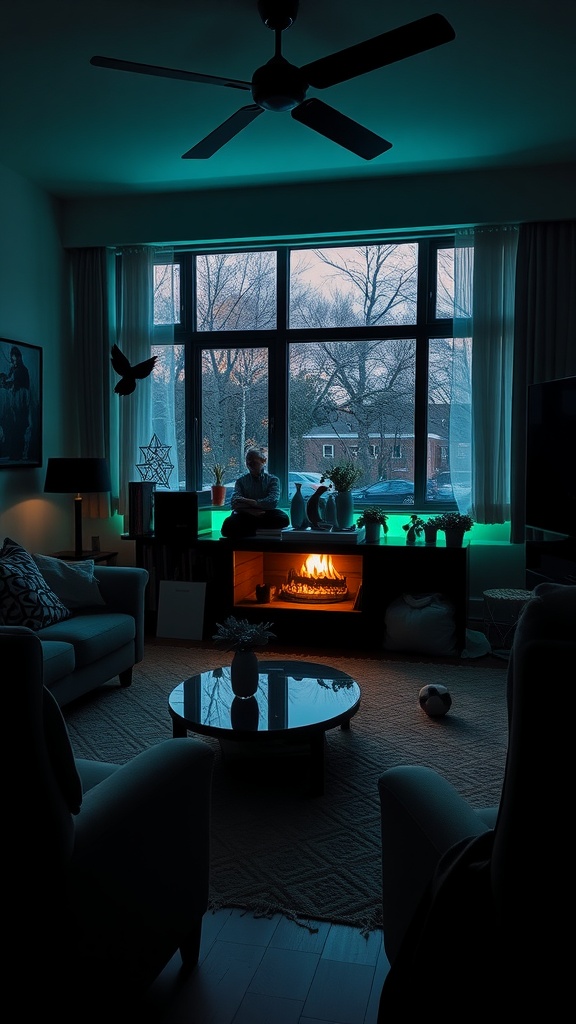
[[502, 94]]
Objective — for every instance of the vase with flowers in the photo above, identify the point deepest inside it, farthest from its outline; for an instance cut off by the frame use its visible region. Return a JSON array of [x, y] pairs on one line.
[[343, 477], [242, 636]]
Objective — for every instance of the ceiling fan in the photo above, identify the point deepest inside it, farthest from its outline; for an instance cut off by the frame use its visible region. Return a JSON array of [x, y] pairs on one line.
[[280, 86]]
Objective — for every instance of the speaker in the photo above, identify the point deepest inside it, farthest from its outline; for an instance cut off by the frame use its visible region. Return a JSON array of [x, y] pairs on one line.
[[181, 516]]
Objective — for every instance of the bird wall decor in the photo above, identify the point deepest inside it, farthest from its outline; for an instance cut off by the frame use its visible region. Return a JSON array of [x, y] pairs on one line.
[[129, 374]]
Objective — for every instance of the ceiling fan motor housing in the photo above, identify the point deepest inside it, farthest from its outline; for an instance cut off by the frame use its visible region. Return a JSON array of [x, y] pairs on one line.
[[278, 14], [278, 85]]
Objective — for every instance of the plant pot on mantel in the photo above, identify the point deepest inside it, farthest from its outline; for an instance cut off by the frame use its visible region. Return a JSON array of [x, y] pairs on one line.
[[218, 495], [454, 536], [373, 532]]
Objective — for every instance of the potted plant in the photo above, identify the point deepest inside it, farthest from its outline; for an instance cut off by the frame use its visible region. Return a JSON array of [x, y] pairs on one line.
[[242, 637], [372, 518], [343, 478], [454, 525], [431, 527], [218, 488], [414, 529]]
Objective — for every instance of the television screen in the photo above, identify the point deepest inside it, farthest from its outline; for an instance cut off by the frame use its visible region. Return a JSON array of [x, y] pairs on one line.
[[551, 457]]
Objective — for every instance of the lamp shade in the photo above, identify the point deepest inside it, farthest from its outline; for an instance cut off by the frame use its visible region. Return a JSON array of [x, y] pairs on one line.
[[77, 475]]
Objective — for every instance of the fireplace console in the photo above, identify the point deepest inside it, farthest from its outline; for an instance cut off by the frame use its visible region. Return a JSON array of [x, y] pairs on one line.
[[314, 591]]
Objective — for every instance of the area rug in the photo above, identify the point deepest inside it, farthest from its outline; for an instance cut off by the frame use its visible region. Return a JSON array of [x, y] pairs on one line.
[[275, 849]]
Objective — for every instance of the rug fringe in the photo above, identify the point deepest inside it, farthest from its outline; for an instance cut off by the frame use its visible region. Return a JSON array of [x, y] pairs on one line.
[[269, 911]]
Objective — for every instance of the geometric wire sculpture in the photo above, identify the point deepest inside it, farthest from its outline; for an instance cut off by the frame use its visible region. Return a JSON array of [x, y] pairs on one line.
[[156, 466]]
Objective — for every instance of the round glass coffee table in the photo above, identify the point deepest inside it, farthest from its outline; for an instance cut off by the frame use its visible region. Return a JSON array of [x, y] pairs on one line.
[[295, 701]]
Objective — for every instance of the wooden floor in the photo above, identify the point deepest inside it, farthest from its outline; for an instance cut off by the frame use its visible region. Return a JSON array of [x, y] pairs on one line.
[[260, 971]]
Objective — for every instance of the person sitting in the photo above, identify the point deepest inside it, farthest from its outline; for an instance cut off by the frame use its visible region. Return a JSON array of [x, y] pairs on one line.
[[254, 500]]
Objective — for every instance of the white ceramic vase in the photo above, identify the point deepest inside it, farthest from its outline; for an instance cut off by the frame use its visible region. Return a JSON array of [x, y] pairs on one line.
[[372, 532]]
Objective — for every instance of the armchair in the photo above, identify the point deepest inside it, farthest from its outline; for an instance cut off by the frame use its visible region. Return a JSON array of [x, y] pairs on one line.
[[108, 865], [472, 898]]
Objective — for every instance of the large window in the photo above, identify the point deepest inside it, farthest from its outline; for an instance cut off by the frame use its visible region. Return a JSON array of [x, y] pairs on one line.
[[321, 355]]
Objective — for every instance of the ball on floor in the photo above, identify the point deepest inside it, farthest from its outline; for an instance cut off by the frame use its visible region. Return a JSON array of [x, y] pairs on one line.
[[435, 700]]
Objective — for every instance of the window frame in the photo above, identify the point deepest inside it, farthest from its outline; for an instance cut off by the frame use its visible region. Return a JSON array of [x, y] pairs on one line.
[[278, 342]]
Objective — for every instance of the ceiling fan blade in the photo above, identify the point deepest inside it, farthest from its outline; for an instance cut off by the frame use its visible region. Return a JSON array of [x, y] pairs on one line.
[[152, 69], [399, 43], [221, 135], [339, 128]]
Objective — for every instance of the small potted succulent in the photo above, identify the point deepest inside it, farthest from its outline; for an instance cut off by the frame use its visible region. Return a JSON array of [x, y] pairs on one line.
[[218, 488], [372, 518], [242, 637], [454, 525], [414, 529]]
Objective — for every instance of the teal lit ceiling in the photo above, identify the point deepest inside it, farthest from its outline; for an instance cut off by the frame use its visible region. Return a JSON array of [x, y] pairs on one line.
[[502, 94]]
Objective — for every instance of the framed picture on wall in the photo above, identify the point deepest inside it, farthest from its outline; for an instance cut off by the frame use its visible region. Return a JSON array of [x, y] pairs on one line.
[[20, 404]]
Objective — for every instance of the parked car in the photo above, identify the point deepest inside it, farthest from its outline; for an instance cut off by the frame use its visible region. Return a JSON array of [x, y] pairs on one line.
[[391, 492], [441, 488]]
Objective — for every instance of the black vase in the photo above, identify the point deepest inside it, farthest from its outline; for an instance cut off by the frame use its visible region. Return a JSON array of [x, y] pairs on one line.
[[244, 673], [313, 512], [244, 714]]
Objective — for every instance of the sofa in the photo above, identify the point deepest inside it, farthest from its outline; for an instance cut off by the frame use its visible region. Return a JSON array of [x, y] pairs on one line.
[[89, 618], [108, 864], [476, 900]]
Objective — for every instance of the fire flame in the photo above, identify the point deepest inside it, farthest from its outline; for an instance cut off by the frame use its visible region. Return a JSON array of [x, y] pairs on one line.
[[317, 580], [318, 567]]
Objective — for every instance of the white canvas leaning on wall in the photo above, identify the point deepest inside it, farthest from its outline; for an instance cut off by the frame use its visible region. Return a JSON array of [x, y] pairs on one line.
[[181, 610]]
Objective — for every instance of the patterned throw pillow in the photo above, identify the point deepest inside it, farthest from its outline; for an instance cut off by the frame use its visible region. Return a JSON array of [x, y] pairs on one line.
[[25, 597]]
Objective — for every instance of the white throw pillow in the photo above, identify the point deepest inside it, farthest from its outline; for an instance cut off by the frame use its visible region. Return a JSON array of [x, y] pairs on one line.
[[73, 582]]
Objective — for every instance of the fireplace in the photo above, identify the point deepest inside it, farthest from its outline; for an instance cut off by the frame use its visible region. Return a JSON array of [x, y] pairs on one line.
[[299, 581], [317, 580]]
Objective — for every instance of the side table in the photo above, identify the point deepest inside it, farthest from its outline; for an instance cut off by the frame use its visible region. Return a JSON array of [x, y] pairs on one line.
[[99, 557], [501, 611]]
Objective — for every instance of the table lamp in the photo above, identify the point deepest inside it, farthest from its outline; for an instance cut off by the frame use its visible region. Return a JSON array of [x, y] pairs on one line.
[[79, 476]]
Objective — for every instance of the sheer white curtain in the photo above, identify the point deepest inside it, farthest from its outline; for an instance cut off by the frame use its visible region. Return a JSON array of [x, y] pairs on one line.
[[490, 369], [113, 302], [135, 334], [164, 382], [460, 446]]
